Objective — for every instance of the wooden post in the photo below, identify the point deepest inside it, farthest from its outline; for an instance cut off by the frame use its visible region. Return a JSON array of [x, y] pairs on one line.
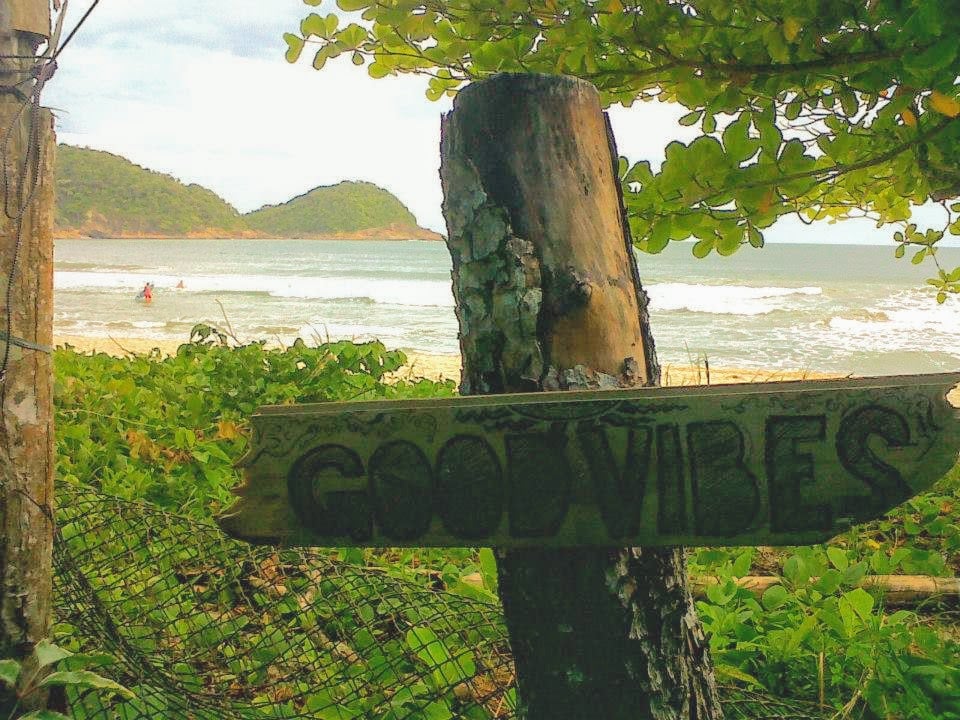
[[26, 419], [549, 298]]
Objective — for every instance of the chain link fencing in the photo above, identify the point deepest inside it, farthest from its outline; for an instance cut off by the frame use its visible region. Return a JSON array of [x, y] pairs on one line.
[[202, 626]]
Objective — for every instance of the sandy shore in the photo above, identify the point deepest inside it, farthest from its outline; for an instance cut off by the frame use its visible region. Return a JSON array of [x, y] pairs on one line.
[[448, 366]]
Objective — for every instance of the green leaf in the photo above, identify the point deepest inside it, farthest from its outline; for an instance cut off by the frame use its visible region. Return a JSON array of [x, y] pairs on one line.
[[703, 247], [428, 647], [488, 569], [828, 582], [331, 22], [722, 593], [320, 58], [838, 558], [861, 601], [741, 566], [935, 58], [313, 24], [737, 141], [352, 5], [84, 679], [47, 653], [351, 37], [730, 241], [294, 47], [691, 118], [9, 671], [774, 597], [44, 715], [729, 672], [378, 70]]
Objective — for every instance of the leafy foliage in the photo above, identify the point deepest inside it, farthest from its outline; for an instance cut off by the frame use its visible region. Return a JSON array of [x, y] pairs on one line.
[[825, 108], [820, 637], [98, 192], [343, 207], [51, 666], [106, 195], [168, 430]]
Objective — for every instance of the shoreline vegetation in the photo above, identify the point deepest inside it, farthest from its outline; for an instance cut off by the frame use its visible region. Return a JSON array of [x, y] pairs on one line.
[[447, 367], [148, 443]]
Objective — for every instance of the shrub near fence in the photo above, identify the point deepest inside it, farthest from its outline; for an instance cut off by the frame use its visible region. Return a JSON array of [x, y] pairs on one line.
[[202, 626]]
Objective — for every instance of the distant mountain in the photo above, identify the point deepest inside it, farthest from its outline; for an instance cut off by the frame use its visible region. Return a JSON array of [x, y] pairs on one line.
[[104, 195]]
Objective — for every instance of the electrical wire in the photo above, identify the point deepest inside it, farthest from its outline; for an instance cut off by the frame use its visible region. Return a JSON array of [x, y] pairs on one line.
[[73, 32], [42, 70]]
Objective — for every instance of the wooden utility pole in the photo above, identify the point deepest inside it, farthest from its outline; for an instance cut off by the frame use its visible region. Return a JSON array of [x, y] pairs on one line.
[[549, 298], [26, 324]]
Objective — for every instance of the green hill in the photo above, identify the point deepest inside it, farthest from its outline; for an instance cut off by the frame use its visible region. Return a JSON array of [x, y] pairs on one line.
[[345, 207], [104, 195]]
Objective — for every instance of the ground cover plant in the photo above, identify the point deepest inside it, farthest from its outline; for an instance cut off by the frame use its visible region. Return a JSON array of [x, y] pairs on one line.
[[162, 435]]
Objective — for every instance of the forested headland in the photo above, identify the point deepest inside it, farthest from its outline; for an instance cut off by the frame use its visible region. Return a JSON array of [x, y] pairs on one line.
[[100, 194]]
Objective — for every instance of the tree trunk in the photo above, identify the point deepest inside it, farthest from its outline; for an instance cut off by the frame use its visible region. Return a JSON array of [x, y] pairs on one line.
[[549, 298], [26, 389]]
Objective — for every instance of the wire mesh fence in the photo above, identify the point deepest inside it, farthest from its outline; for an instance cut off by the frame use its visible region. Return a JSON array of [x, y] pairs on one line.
[[202, 626]]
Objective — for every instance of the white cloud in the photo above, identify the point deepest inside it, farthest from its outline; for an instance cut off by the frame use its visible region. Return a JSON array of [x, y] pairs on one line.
[[157, 83], [200, 90]]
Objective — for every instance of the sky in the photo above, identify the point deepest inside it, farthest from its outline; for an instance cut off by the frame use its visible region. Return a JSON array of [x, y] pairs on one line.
[[199, 89]]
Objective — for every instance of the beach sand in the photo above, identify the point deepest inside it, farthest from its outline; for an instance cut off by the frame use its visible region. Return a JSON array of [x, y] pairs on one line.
[[447, 367]]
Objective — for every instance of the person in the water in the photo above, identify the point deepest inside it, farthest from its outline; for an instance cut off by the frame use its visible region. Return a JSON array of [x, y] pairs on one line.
[[147, 293]]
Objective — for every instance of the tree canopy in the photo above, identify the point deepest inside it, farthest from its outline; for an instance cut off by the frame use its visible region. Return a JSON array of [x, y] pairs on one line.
[[827, 109]]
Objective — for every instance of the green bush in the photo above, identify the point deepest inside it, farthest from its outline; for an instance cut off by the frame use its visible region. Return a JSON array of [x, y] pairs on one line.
[[168, 430]]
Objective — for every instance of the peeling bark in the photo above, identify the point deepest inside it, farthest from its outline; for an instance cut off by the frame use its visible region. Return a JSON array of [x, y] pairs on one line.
[[26, 419], [549, 298]]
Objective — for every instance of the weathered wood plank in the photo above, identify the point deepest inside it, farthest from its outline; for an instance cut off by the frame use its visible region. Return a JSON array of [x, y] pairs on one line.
[[32, 16], [773, 464]]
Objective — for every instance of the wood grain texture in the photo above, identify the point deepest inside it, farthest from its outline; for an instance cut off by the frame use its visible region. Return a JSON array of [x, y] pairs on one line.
[[26, 394], [773, 464], [29, 16]]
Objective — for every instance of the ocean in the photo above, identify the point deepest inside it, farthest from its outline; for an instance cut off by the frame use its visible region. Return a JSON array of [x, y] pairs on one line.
[[833, 308]]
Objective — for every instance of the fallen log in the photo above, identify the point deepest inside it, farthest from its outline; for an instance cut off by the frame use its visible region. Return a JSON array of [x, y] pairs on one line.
[[897, 590]]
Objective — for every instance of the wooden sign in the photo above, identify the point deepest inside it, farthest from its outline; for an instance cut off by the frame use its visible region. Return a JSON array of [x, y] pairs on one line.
[[779, 463]]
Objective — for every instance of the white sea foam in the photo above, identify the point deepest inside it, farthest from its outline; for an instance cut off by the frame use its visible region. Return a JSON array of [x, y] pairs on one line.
[[909, 320], [424, 293], [724, 299]]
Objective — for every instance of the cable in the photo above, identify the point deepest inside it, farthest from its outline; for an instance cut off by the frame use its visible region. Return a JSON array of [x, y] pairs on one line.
[[74, 31], [43, 70]]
